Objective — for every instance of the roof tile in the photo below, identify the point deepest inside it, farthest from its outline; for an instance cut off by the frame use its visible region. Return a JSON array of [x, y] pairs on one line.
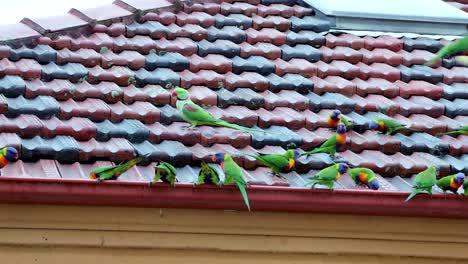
[[130, 129]]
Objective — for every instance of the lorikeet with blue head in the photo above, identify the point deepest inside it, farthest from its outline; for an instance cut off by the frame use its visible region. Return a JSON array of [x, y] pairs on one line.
[[208, 175], [424, 182], [336, 117], [278, 162], [333, 143], [196, 115], [457, 47], [233, 174], [328, 175], [451, 183], [114, 171], [388, 126], [165, 172], [462, 130], [364, 176], [7, 155]]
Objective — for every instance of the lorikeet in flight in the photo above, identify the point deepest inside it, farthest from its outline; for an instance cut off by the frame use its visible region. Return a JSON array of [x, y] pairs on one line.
[[164, 172], [424, 182], [456, 47], [462, 130], [114, 171], [278, 162], [233, 174], [7, 155], [329, 175], [451, 183], [333, 143], [388, 126], [336, 117], [196, 115], [208, 175], [364, 176]]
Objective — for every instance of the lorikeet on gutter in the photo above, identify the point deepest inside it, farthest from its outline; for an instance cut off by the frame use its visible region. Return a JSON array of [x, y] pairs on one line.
[[333, 143], [336, 117], [451, 183], [364, 176], [114, 171], [329, 175], [424, 182], [388, 126], [278, 162], [233, 174], [164, 172], [462, 130], [196, 115], [456, 47], [7, 155], [208, 175]]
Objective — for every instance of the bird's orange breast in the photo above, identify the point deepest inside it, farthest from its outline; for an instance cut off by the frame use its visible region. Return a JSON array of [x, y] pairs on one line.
[[341, 139], [363, 177], [3, 161]]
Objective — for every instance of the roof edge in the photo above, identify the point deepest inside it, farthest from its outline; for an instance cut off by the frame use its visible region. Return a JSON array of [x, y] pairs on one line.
[[32, 29], [262, 198]]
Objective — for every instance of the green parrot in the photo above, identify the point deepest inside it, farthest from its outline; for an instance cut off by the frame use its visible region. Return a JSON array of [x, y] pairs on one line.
[[451, 183], [233, 174], [208, 175], [196, 115], [456, 47], [114, 171], [424, 182], [388, 126], [333, 143], [337, 117], [364, 176], [462, 130], [164, 172], [278, 162], [328, 175]]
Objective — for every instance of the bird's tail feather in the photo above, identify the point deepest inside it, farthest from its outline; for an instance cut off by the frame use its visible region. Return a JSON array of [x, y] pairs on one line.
[[413, 193], [244, 194], [237, 127], [447, 133]]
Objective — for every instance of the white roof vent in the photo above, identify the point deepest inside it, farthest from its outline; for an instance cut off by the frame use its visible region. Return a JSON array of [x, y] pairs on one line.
[[412, 16]]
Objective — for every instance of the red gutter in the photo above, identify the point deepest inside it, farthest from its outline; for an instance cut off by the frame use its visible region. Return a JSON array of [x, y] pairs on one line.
[[262, 198]]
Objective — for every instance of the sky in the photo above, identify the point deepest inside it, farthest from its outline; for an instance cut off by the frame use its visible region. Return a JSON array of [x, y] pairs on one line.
[[15, 10]]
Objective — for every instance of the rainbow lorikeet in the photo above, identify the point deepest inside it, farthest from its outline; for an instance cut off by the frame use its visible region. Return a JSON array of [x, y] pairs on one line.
[[196, 115], [7, 155], [165, 172], [114, 171], [328, 175], [388, 126], [424, 182], [451, 183], [336, 117], [462, 130], [208, 175], [233, 174], [333, 143], [364, 176], [278, 162], [456, 47]]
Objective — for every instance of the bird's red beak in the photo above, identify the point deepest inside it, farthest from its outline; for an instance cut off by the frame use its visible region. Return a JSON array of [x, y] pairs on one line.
[[16, 157], [214, 159], [174, 93]]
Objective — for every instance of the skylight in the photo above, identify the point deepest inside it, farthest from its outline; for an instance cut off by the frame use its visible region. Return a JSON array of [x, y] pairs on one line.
[[415, 16]]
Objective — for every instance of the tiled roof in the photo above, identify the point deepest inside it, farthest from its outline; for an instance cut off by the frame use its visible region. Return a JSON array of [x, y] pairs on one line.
[[91, 95]]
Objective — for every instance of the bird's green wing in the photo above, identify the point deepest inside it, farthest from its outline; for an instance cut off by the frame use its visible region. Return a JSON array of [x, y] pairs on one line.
[[346, 122], [390, 123], [426, 178], [196, 113], [444, 183], [453, 48], [328, 173], [273, 160], [233, 170]]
